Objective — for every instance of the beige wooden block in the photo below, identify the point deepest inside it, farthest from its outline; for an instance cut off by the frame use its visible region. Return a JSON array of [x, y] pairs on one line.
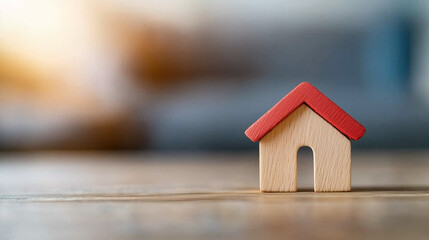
[[279, 148]]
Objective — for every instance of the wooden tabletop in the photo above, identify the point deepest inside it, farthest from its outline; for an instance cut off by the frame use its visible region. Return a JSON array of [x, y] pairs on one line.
[[206, 196]]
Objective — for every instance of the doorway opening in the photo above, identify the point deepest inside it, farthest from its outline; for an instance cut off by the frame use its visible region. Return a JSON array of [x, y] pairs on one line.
[[305, 169]]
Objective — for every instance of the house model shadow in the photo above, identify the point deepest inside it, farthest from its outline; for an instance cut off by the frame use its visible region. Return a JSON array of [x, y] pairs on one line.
[[305, 117]]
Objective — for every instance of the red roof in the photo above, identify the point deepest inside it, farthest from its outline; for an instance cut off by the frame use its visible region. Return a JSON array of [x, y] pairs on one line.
[[305, 93]]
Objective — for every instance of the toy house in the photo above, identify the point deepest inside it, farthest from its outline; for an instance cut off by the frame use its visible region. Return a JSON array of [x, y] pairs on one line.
[[305, 117]]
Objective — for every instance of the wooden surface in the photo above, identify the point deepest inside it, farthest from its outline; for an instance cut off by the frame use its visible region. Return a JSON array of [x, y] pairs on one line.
[[316, 100], [278, 154], [206, 196]]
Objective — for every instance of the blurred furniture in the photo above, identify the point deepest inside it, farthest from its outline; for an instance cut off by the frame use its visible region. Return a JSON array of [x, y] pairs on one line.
[[206, 196]]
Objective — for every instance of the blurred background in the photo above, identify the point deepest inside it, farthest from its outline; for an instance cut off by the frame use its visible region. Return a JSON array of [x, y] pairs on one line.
[[194, 74]]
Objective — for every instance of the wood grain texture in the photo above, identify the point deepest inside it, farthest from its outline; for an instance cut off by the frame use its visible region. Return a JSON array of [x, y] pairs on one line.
[[278, 154], [322, 105], [133, 196]]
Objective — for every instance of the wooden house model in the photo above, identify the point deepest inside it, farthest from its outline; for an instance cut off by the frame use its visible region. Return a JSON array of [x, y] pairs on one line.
[[305, 117]]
